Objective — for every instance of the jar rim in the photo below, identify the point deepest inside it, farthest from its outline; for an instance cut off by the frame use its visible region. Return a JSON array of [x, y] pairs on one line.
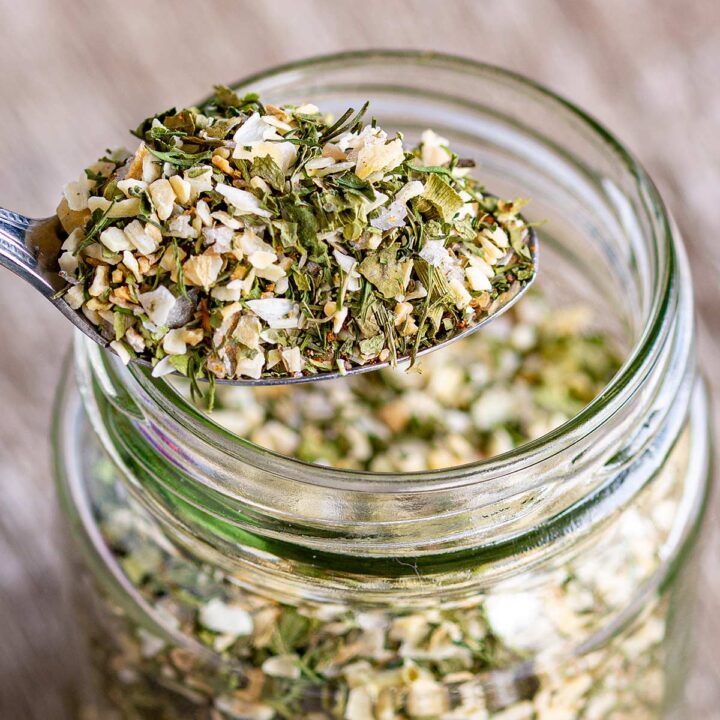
[[531, 453]]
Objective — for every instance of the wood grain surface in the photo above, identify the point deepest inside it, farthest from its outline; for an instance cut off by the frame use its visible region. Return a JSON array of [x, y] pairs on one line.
[[75, 74]]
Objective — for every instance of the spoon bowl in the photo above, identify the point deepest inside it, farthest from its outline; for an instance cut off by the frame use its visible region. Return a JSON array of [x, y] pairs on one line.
[[30, 249]]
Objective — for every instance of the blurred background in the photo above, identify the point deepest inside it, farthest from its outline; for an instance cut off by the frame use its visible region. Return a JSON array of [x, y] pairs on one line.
[[74, 76]]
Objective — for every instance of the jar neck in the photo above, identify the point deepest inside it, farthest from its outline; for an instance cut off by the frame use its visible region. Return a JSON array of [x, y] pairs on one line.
[[240, 505]]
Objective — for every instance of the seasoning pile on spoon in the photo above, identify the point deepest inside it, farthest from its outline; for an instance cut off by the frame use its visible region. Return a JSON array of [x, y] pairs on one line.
[[244, 240]]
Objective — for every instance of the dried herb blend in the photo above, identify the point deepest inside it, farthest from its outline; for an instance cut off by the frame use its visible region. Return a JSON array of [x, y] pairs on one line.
[[244, 240], [503, 653], [527, 373], [500, 656]]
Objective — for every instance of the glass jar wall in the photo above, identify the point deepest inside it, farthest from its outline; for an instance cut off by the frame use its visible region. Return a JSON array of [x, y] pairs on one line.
[[224, 580]]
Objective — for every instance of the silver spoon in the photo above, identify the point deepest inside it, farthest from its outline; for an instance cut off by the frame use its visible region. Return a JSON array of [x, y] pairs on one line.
[[30, 249]]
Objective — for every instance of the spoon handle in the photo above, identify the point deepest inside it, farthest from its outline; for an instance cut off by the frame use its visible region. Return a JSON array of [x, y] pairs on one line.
[[30, 249], [15, 254]]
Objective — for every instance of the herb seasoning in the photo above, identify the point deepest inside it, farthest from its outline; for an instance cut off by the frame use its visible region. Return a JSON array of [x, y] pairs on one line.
[[499, 655], [245, 240], [528, 372]]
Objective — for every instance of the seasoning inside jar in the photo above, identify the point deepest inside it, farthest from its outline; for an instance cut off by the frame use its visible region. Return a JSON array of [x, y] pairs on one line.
[[528, 373], [493, 391]]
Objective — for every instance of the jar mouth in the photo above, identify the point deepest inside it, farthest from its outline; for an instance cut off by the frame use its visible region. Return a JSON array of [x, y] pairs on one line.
[[639, 360]]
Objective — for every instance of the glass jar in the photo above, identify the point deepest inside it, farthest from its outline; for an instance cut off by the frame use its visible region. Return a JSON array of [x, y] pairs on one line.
[[549, 581]]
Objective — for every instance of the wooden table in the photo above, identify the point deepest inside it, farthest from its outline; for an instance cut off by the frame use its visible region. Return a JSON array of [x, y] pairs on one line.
[[75, 75]]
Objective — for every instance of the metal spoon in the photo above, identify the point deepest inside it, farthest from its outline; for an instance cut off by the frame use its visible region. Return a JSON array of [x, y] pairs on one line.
[[30, 248]]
